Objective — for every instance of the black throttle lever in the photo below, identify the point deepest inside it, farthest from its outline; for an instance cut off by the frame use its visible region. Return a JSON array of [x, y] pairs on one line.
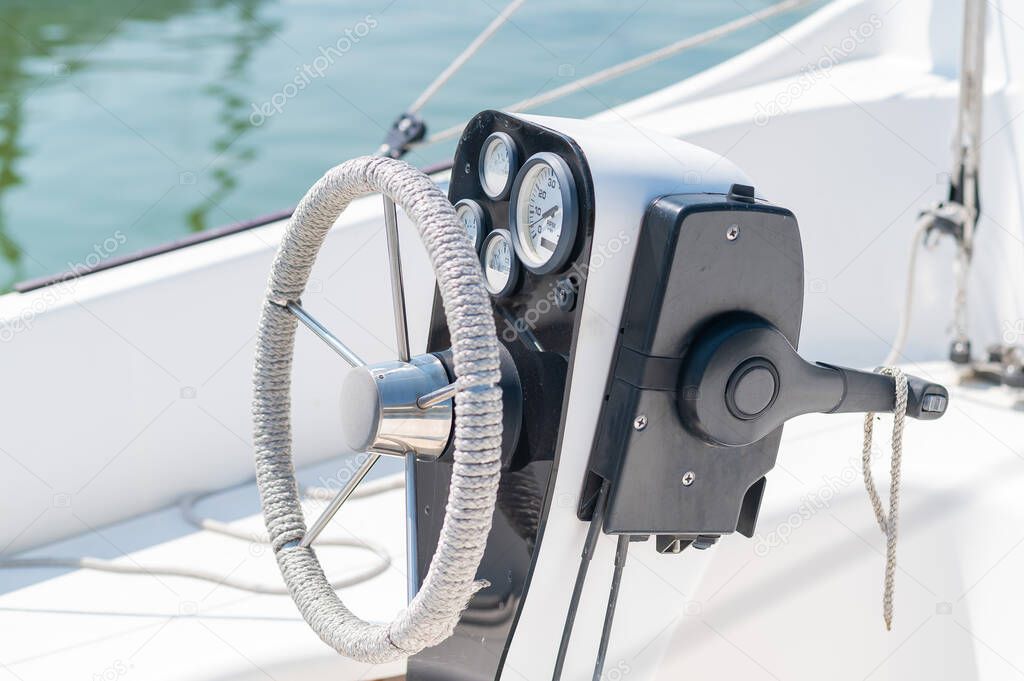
[[742, 379]]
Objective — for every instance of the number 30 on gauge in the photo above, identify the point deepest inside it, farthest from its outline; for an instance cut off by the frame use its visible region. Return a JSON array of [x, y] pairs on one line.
[[543, 213]]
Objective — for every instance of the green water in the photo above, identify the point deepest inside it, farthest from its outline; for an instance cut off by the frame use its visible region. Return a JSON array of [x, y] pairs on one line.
[[126, 123]]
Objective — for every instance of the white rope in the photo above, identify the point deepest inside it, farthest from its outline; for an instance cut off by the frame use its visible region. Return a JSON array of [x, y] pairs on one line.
[[888, 522], [187, 507], [920, 236], [465, 55], [634, 64], [945, 212], [961, 273]]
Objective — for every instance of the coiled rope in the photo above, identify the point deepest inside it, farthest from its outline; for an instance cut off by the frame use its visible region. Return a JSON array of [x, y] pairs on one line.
[[187, 507], [888, 522]]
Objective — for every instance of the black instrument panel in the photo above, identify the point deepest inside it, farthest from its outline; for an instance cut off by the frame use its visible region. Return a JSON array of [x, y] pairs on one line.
[[537, 322], [534, 303]]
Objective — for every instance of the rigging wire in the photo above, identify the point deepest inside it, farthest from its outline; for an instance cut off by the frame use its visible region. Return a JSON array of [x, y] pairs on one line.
[[958, 215], [465, 55], [409, 129], [634, 64], [964, 187]]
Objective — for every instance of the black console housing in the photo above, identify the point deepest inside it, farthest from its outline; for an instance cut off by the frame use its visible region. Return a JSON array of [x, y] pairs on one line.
[[699, 257], [541, 346]]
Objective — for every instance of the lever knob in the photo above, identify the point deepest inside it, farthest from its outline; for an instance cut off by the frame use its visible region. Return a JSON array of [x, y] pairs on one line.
[[752, 388]]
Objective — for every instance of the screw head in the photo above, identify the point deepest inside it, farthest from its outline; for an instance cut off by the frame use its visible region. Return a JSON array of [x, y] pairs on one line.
[[688, 478], [732, 233], [640, 422]]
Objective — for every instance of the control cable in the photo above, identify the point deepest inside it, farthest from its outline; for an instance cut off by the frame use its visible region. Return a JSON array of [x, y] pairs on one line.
[[589, 545]]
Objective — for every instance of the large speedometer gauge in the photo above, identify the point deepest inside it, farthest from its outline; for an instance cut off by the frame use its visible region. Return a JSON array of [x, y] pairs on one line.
[[543, 213]]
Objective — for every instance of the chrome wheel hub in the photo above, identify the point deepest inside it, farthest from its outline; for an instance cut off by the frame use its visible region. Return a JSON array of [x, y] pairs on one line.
[[380, 414]]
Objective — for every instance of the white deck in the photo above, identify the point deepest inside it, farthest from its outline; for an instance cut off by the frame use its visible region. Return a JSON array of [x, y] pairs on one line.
[[799, 601], [84, 624]]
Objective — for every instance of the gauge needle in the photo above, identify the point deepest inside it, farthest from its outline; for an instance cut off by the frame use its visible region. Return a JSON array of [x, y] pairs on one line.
[[546, 214]]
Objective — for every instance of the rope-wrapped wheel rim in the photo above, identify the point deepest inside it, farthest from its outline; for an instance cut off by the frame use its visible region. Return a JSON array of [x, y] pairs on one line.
[[449, 584]]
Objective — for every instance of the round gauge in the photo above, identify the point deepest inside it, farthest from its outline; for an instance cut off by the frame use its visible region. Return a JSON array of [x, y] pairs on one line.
[[499, 159], [474, 219], [501, 269], [543, 213]]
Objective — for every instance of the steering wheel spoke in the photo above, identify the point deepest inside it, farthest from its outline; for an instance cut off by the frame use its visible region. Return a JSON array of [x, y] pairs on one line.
[[397, 282], [339, 499], [324, 334], [442, 394], [404, 355]]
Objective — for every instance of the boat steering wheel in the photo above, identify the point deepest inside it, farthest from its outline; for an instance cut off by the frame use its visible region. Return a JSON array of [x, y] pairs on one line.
[[400, 408]]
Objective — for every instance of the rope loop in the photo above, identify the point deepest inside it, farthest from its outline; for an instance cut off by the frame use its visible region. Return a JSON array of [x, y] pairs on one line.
[[888, 522]]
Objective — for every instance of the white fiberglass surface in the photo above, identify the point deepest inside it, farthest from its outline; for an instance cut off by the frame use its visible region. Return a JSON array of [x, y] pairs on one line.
[[62, 624], [135, 384], [802, 596]]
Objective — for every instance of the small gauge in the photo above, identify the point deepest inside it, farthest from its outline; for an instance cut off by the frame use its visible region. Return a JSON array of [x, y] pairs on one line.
[[543, 213], [474, 219], [499, 159], [501, 268]]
